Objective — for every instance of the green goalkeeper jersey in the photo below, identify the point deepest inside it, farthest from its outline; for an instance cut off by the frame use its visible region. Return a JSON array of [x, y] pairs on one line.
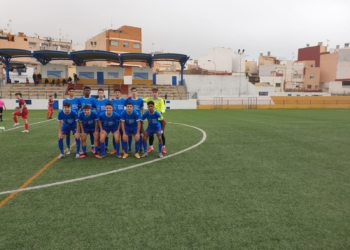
[[158, 103]]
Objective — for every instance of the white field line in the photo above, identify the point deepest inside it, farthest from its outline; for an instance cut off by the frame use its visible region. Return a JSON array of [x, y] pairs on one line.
[[22, 126], [113, 171]]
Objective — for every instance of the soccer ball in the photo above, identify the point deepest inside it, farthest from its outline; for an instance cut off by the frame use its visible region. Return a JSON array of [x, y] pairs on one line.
[[2, 129]]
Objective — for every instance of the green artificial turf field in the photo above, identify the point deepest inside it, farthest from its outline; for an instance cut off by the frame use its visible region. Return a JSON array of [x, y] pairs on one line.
[[261, 179]]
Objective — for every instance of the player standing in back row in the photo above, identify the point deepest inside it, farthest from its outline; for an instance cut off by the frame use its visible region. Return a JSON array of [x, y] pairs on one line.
[[137, 105], [21, 111]]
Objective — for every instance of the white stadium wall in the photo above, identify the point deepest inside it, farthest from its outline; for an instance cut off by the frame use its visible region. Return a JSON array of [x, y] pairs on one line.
[[108, 73], [139, 73], [54, 71], [343, 68]]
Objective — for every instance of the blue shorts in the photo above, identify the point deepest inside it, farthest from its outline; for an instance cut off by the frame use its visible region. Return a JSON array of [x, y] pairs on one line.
[[151, 131], [131, 131], [89, 130], [66, 130], [110, 130]]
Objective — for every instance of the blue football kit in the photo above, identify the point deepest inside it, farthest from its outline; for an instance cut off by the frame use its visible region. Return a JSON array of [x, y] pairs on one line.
[[118, 105], [74, 103]]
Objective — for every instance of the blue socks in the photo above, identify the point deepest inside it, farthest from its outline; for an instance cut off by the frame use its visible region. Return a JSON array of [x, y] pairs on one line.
[[60, 146], [160, 146], [103, 148], [77, 145], [67, 142], [84, 149]]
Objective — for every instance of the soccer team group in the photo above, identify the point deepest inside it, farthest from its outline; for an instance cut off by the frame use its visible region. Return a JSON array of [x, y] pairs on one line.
[[96, 118]]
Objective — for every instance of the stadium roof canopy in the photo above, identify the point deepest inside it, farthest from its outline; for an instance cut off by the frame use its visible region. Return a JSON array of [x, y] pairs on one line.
[[171, 57], [45, 56], [12, 53], [136, 57], [80, 57]]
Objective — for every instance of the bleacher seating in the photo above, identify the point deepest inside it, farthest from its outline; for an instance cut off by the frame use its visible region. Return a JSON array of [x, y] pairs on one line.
[[42, 92]]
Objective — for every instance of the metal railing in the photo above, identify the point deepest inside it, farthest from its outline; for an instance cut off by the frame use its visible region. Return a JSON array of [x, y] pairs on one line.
[[30, 94], [220, 102]]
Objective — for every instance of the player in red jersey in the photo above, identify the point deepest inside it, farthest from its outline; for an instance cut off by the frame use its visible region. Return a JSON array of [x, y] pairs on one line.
[[50, 108], [21, 111]]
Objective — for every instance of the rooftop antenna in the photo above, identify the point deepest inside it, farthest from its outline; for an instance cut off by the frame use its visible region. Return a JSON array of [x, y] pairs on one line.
[[111, 23], [328, 42], [60, 33], [9, 26]]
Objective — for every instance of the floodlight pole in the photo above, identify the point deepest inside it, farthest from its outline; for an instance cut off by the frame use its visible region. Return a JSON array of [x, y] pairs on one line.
[[240, 53], [214, 65]]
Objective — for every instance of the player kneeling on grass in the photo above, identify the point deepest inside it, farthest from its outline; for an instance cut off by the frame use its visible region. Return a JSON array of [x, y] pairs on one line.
[[154, 127], [130, 124], [109, 123], [88, 125], [67, 121]]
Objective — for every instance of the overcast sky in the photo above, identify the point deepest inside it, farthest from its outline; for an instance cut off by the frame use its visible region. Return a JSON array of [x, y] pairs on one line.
[[190, 26]]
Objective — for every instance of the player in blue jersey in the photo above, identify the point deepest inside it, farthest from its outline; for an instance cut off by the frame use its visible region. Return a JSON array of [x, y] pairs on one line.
[[73, 101], [154, 127], [137, 103], [67, 121], [101, 102], [130, 125], [109, 123], [118, 104], [88, 124], [86, 99], [74, 106], [100, 105]]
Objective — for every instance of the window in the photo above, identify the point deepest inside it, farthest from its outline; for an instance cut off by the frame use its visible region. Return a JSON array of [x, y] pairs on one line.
[[31, 45], [278, 84], [136, 45], [309, 86], [346, 83], [126, 44], [114, 43], [312, 76]]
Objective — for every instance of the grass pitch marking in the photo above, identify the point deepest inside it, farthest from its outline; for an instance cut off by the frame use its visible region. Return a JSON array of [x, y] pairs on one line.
[[109, 172], [30, 180], [22, 126]]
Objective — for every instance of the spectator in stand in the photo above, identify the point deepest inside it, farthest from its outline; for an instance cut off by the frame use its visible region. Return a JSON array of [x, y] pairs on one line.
[[34, 77], [39, 77], [75, 78], [58, 82], [36, 81], [69, 79], [64, 81], [53, 82], [27, 81], [46, 81]]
